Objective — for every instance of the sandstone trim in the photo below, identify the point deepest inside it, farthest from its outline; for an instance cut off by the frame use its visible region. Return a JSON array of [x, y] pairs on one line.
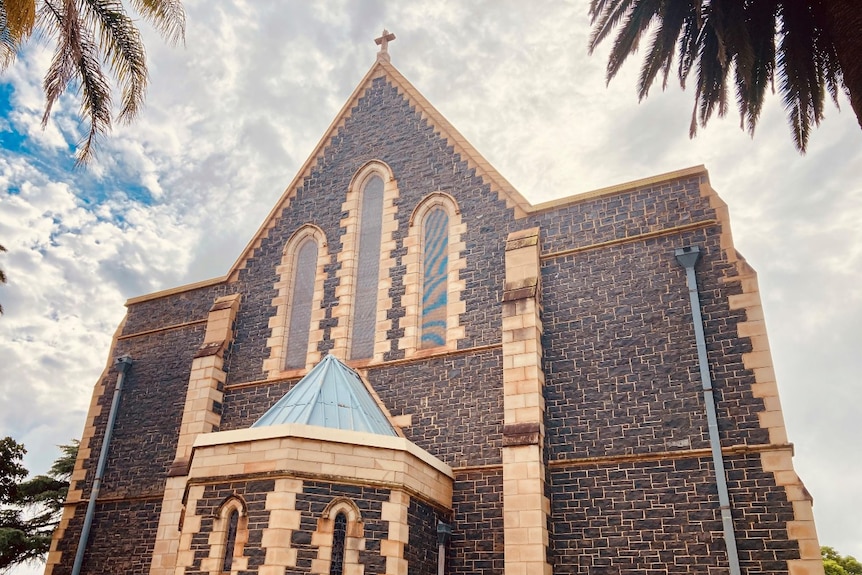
[[779, 461]]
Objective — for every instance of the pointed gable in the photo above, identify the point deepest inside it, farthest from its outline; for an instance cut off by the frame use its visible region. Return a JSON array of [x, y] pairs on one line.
[[441, 127], [330, 395]]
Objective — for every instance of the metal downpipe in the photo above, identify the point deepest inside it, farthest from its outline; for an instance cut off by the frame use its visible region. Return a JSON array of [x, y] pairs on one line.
[[123, 364], [687, 258]]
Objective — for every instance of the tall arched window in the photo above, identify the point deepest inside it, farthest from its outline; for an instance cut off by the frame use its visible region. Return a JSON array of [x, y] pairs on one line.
[[365, 262], [364, 324], [341, 533], [432, 283], [230, 539], [301, 301], [339, 537], [435, 278], [296, 330]]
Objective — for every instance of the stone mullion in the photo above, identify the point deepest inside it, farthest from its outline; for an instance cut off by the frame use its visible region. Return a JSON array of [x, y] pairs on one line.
[[206, 382], [525, 506]]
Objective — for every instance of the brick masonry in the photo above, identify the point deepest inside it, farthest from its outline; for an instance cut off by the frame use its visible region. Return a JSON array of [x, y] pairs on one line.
[[663, 516], [421, 548], [122, 538], [618, 357], [477, 536], [312, 502], [254, 494]]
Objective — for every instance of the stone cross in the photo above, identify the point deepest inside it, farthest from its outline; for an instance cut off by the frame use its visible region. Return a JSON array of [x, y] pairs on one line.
[[383, 42]]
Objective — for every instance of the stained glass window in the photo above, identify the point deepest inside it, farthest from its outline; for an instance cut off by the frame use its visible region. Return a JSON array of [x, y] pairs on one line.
[[305, 270], [339, 535], [435, 285], [367, 271], [230, 540]]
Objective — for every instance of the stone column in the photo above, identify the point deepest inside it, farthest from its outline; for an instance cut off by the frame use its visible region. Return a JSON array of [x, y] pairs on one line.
[[205, 390], [525, 506]]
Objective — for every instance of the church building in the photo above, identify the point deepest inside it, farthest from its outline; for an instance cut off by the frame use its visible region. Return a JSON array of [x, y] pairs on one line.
[[410, 369]]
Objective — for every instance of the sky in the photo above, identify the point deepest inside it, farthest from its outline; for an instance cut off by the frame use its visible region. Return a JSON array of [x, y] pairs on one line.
[[232, 115]]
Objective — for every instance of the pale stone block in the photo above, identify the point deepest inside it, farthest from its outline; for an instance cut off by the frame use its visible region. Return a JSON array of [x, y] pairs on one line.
[[786, 477], [772, 403], [778, 435], [513, 322], [399, 532], [776, 460], [270, 569], [273, 537], [764, 374], [767, 389], [396, 512], [281, 556], [771, 419], [744, 300], [805, 567], [396, 566], [802, 511], [523, 502]]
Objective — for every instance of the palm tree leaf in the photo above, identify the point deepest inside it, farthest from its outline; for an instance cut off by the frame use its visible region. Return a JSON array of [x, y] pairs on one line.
[[628, 38], [77, 56], [802, 85], [61, 70], [711, 73], [167, 16], [120, 41], [604, 16], [17, 19], [661, 52], [755, 75]]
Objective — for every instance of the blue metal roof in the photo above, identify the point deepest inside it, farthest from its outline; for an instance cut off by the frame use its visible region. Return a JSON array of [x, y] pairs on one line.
[[330, 395]]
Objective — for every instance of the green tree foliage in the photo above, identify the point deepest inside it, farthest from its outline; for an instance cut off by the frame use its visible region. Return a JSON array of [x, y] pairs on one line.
[[30, 509], [89, 35], [835, 564], [807, 48]]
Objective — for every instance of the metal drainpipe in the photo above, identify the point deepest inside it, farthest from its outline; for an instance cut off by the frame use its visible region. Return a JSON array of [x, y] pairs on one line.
[[444, 532], [687, 258], [123, 364]]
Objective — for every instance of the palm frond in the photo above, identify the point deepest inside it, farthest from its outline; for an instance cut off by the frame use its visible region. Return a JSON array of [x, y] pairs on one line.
[[77, 56], [17, 19], [661, 52], [755, 72], [802, 85], [628, 38], [120, 41], [604, 16], [711, 74], [167, 16]]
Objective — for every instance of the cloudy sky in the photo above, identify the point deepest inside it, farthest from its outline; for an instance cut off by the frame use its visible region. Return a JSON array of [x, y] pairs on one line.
[[232, 116]]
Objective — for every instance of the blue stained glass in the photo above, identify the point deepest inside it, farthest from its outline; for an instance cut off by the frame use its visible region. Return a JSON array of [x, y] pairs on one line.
[[435, 284]]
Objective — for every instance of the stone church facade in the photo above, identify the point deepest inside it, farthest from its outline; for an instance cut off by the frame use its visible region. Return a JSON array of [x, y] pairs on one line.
[[579, 386]]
